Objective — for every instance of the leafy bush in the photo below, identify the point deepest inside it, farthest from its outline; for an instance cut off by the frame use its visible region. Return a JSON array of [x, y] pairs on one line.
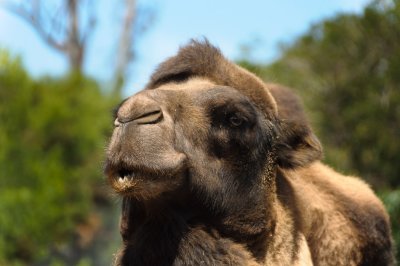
[[52, 138]]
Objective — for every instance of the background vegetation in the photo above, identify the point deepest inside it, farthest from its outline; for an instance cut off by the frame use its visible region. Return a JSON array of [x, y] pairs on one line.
[[52, 137], [54, 206]]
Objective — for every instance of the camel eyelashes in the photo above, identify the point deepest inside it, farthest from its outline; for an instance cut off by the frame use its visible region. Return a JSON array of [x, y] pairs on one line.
[[231, 119], [236, 120]]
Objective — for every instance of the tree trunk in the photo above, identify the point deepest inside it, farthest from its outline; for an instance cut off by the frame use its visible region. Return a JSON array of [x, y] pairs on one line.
[[75, 46], [125, 52]]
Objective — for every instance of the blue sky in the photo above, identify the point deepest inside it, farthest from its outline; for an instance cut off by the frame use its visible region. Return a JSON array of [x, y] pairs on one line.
[[227, 24]]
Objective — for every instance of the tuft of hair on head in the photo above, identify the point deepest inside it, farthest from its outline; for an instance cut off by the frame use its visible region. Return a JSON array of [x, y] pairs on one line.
[[201, 59]]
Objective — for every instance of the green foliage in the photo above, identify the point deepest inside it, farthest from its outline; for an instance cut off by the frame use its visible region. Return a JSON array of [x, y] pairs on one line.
[[52, 138], [347, 70], [391, 199]]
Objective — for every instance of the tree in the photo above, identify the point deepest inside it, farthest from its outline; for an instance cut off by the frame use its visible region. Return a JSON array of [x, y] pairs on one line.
[[68, 25], [50, 160]]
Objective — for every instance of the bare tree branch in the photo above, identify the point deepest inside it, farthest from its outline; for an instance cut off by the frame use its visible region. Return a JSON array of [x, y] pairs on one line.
[[74, 45], [61, 30], [67, 26], [33, 18]]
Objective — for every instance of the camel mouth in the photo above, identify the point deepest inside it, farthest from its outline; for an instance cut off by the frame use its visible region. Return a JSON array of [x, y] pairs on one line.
[[125, 176], [140, 182], [121, 178]]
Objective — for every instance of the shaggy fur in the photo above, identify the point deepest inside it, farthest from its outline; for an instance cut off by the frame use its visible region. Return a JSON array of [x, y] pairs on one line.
[[216, 167]]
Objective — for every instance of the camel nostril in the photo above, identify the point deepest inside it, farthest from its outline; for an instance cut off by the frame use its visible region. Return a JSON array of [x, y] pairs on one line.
[[150, 116], [139, 109]]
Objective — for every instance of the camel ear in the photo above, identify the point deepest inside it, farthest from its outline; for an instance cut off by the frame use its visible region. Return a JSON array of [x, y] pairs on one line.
[[297, 145]]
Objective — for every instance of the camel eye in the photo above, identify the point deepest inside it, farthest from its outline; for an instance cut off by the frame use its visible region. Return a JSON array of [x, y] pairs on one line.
[[235, 120]]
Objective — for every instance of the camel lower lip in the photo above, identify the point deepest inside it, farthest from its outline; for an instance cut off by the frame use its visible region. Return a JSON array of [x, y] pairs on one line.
[[134, 180]]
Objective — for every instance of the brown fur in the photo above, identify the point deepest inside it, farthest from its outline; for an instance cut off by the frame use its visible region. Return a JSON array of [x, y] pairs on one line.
[[217, 168]]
